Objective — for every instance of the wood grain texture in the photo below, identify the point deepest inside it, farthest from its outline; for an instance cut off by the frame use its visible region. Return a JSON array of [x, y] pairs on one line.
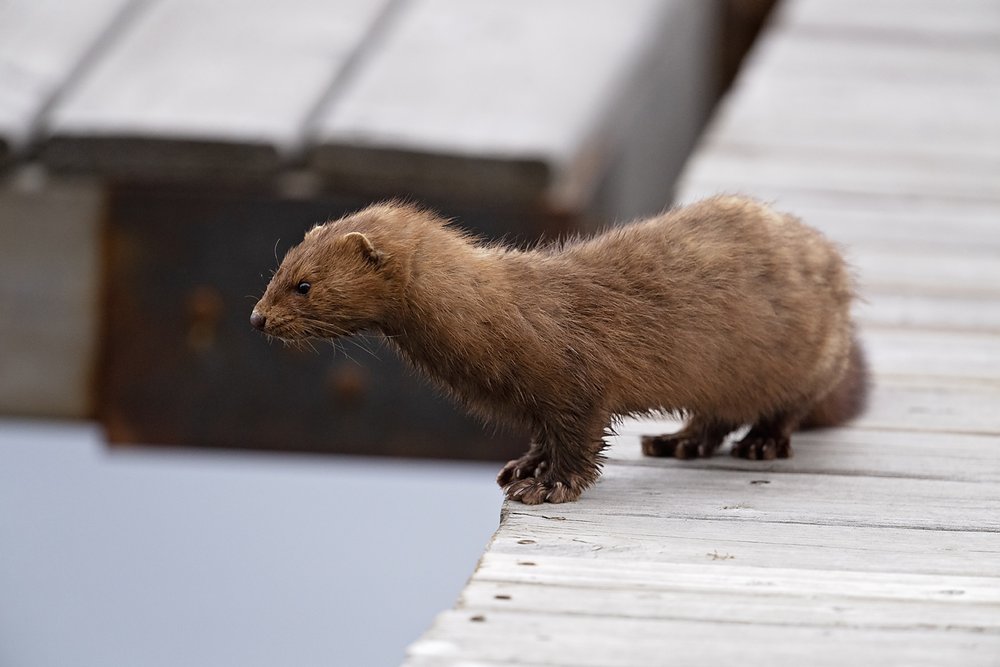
[[878, 542], [214, 88], [469, 637], [709, 547], [832, 500]]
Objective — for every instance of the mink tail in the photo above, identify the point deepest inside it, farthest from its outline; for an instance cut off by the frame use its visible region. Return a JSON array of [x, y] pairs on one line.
[[848, 399]]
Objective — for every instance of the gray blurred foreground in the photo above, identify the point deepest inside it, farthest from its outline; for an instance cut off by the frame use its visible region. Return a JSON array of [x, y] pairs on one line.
[[185, 558]]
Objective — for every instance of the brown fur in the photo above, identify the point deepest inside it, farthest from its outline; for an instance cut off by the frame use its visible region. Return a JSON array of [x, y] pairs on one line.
[[724, 311]]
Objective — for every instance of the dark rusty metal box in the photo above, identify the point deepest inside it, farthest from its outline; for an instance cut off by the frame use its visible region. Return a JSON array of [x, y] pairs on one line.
[[181, 365]]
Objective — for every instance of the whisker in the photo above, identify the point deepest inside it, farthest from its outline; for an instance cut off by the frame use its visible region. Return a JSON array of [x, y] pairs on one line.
[[358, 344], [346, 354]]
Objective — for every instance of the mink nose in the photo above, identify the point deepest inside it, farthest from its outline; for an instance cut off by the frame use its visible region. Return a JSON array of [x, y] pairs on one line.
[[257, 321]]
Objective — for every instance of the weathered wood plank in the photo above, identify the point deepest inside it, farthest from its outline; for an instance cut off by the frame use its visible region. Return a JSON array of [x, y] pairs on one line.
[[894, 223], [902, 131], [842, 451], [848, 501], [882, 222], [935, 313], [548, 113], [925, 20], [934, 381], [729, 593], [932, 405], [936, 405], [843, 55], [867, 117], [726, 577], [759, 169], [472, 636], [207, 88], [929, 355], [42, 44], [695, 542], [596, 596], [976, 273]]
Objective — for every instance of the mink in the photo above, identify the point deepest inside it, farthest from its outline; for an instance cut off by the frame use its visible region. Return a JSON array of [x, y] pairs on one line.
[[724, 311]]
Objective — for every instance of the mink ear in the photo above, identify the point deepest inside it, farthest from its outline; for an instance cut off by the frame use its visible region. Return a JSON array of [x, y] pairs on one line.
[[364, 246]]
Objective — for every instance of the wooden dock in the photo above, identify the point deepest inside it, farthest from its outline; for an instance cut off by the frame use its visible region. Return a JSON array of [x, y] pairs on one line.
[[879, 543]]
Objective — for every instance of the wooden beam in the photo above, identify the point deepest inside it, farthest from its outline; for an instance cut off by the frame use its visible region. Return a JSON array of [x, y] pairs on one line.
[[195, 88], [43, 44], [483, 100]]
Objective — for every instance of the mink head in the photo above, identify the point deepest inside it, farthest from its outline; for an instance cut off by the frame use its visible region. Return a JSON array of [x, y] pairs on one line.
[[335, 283]]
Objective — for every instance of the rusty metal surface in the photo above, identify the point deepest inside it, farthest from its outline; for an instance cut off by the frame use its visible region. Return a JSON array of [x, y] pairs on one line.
[[181, 365]]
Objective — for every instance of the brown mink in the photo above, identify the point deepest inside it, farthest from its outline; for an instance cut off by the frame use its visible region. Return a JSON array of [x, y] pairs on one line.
[[724, 311]]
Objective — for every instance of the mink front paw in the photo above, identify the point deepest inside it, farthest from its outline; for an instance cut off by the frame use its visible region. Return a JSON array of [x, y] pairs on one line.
[[529, 465], [533, 491], [762, 448]]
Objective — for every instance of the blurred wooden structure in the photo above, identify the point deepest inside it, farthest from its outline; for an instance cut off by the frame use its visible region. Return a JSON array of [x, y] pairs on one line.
[[155, 150], [879, 543]]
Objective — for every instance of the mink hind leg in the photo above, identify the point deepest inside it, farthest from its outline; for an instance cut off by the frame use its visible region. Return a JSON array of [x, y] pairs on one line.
[[699, 438], [567, 460], [769, 437]]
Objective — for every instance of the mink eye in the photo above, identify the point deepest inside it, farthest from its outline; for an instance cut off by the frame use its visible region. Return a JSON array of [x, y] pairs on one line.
[[303, 287]]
